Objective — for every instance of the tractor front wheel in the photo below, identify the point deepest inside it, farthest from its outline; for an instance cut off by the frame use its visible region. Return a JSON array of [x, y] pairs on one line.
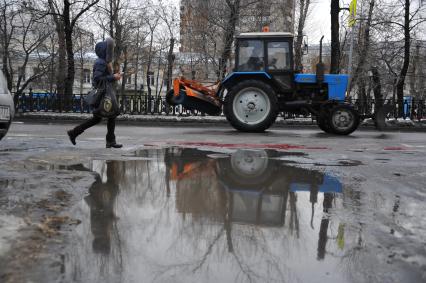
[[251, 106], [343, 119], [322, 123]]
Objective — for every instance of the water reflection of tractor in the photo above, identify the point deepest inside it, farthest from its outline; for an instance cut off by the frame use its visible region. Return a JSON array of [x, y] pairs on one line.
[[254, 186], [264, 83], [249, 187]]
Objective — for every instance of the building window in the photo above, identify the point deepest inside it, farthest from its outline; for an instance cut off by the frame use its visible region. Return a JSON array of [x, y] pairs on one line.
[[129, 79], [86, 76]]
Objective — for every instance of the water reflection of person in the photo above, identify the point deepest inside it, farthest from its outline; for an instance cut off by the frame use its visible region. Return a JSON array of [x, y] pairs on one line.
[[101, 202]]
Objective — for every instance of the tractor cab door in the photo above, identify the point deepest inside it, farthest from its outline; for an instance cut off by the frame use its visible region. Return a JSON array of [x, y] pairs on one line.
[[272, 55], [251, 55], [279, 62]]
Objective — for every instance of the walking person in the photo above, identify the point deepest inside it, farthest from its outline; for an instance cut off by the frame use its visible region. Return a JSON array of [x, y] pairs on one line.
[[102, 74]]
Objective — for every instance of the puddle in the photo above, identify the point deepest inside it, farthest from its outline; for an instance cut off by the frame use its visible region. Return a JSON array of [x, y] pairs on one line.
[[185, 215], [219, 215]]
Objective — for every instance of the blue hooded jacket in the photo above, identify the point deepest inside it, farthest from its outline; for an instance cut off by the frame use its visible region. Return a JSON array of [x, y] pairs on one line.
[[100, 69]]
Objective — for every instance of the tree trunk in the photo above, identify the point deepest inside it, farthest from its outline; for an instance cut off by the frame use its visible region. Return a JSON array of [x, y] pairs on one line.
[[364, 50], [7, 73], [118, 47], [61, 64], [136, 64], [170, 61], [229, 34], [81, 64], [61, 71], [5, 42], [21, 75], [377, 89], [335, 44], [157, 93], [52, 66], [303, 11], [124, 79], [406, 63], [148, 70], [69, 81]]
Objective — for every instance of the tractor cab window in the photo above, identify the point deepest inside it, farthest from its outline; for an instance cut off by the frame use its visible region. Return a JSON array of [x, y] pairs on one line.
[[278, 56], [251, 56]]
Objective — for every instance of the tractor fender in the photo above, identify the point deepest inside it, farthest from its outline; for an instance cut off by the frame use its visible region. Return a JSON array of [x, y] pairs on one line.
[[236, 77]]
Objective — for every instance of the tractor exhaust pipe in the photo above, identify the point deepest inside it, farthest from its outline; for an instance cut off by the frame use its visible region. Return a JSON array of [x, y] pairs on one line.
[[320, 66]]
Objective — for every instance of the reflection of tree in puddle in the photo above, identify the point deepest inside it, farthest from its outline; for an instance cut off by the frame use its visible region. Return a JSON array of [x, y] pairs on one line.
[[197, 218]]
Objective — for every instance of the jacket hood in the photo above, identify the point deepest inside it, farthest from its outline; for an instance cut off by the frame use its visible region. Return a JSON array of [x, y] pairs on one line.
[[105, 49]]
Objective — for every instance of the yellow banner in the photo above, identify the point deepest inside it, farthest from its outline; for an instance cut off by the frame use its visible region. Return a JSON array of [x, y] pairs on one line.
[[352, 13]]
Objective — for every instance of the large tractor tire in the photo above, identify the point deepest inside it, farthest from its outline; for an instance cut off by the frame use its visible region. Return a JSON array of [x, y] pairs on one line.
[[248, 169], [251, 106], [175, 100], [343, 119], [322, 123]]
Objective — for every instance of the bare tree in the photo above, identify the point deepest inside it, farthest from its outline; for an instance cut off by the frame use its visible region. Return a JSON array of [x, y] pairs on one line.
[[363, 51], [234, 7], [168, 14], [66, 13], [61, 64], [403, 20], [335, 33], [33, 31], [303, 13]]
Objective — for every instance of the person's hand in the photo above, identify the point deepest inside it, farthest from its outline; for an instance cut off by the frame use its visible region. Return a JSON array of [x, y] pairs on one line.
[[117, 77]]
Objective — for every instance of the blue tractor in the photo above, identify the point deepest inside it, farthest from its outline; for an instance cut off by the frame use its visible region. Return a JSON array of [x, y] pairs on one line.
[[264, 83]]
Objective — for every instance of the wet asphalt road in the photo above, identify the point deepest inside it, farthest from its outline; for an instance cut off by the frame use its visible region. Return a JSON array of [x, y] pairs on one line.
[[206, 204]]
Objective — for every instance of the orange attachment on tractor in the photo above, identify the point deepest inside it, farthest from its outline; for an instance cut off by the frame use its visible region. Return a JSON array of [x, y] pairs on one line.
[[195, 96]]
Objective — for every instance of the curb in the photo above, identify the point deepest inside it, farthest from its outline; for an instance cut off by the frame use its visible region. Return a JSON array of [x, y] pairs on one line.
[[164, 120]]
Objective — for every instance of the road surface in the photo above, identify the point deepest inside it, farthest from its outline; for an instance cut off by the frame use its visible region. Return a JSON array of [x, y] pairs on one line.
[[209, 204]]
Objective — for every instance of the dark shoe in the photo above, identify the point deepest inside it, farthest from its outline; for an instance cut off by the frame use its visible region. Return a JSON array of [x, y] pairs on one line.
[[113, 145], [72, 136]]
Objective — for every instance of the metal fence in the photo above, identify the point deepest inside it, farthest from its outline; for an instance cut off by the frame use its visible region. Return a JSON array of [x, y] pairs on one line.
[[414, 109]]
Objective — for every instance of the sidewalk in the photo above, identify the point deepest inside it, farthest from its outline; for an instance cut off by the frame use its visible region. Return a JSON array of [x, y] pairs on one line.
[[155, 120]]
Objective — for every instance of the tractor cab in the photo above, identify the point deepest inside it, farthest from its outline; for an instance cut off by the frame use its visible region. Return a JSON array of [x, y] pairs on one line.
[[270, 53]]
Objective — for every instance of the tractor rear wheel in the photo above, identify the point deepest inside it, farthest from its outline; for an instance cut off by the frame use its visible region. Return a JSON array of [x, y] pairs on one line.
[[343, 119], [251, 106]]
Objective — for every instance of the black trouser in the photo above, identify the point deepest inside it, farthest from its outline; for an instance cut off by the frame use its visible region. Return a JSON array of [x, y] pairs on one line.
[[110, 137]]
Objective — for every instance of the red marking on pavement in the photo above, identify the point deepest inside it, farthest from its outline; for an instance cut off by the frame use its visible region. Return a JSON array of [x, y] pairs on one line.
[[395, 148], [249, 145]]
